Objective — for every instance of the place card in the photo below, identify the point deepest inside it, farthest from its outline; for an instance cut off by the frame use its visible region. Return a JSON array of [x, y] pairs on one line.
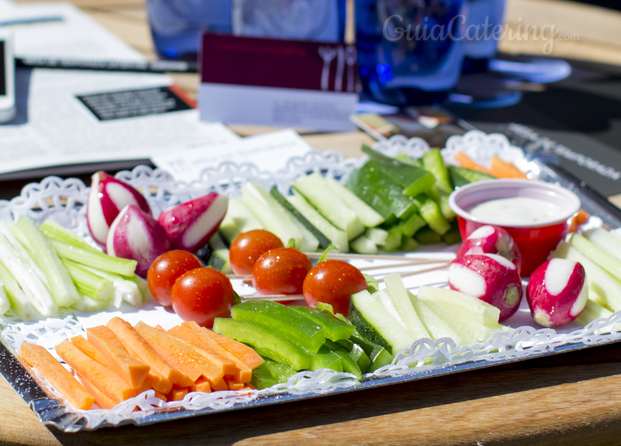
[[278, 83]]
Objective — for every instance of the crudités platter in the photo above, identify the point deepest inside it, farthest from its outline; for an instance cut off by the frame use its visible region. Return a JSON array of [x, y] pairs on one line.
[[64, 201]]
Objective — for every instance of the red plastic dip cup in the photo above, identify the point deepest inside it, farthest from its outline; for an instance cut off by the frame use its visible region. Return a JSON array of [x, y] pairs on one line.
[[536, 240]]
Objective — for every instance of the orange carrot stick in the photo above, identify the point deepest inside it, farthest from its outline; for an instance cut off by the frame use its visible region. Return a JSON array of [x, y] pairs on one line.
[[57, 375], [233, 385], [194, 333], [130, 368], [137, 345], [161, 396], [89, 350], [202, 385], [246, 354], [580, 218], [177, 394], [181, 355], [108, 382], [467, 162], [159, 383], [501, 169], [102, 400], [220, 385]]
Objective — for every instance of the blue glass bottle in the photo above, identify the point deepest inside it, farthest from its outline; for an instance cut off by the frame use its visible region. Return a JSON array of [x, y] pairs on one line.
[[410, 52]]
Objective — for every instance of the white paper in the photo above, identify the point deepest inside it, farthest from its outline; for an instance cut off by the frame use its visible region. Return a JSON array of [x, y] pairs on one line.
[[76, 36], [269, 152], [54, 128]]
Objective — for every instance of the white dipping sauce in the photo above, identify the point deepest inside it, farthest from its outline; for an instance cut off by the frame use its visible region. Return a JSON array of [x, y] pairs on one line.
[[516, 210]]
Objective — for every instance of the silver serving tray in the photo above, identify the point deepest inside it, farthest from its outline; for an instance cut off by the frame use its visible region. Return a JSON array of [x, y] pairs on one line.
[[64, 200]]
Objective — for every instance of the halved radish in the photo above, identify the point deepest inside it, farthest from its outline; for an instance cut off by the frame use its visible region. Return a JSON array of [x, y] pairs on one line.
[[490, 239], [191, 224], [136, 235], [489, 277], [557, 292], [106, 198]]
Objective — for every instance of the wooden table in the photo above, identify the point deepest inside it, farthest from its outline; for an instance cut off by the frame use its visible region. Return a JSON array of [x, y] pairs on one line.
[[567, 399]]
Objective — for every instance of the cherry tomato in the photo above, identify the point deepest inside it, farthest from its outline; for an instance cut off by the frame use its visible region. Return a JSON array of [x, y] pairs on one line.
[[201, 295], [248, 247], [165, 270], [280, 271], [333, 282]]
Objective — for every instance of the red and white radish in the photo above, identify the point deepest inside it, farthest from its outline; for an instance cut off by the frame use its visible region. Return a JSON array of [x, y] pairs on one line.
[[106, 198], [490, 239], [489, 277], [557, 292], [136, 235], [191, 224]]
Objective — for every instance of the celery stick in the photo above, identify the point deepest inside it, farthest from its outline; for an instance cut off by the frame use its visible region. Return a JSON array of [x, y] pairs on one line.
[[607, 261], [605, 240], [55, 231], [90, 305], [62, 288], [34, 289], [20, 304], [591, 312], [89, 283], [20, 244], [433, 162], [125, 289], [143, 286], [5, 305]]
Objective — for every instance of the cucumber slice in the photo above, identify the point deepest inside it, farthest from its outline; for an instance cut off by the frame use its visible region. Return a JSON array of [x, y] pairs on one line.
[[242, 217], [591, 312], [309, 241], [399, 296], [435, 326], [427, 236], [349, 364], [433, 162], [380, 192], [452, 236], [367, 215], [336, 236], [411, 225], [377, 235], [323, 241], [414, 180], [325, 358], [282, 321], [460, 176], [264, 342], [228, 228], [409, 245], [378, 355], [219, 258], [272, 215], [430, 211], [315, 189], [334, 328], [466, 307], [375, 323], [363, 245]]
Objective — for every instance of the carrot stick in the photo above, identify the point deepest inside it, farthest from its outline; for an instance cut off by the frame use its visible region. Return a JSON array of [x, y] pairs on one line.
[[159, 383], [197, 336], [246, 354], [89, 350], [220, 385], [104, 379], [580, 218], [502, 169], [202, 385], [130, 368], [102, 400], [467, 162], [177, 394], [233, 385], [57, 375], [161, 396], [225, 364], [181, 355], [136, 344]]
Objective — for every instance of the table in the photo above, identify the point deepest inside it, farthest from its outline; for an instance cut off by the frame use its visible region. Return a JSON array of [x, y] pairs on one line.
[[569, 399]]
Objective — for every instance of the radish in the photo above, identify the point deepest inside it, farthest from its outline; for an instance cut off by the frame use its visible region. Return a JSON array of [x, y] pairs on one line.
[[105, 200], [557, 292], [490, 239], [136, 235], [191, 224], [489, 277]]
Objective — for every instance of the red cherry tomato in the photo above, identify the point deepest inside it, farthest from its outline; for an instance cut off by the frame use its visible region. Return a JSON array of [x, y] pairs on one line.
[[333, 282], [201, 295], [248, 247], [280, 271], [165, 270]]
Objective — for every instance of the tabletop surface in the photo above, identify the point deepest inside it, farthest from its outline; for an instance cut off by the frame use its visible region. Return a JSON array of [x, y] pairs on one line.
[[573, 398]]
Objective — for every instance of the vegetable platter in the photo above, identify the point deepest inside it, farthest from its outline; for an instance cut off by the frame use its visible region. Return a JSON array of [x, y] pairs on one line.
[[64, 201]]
